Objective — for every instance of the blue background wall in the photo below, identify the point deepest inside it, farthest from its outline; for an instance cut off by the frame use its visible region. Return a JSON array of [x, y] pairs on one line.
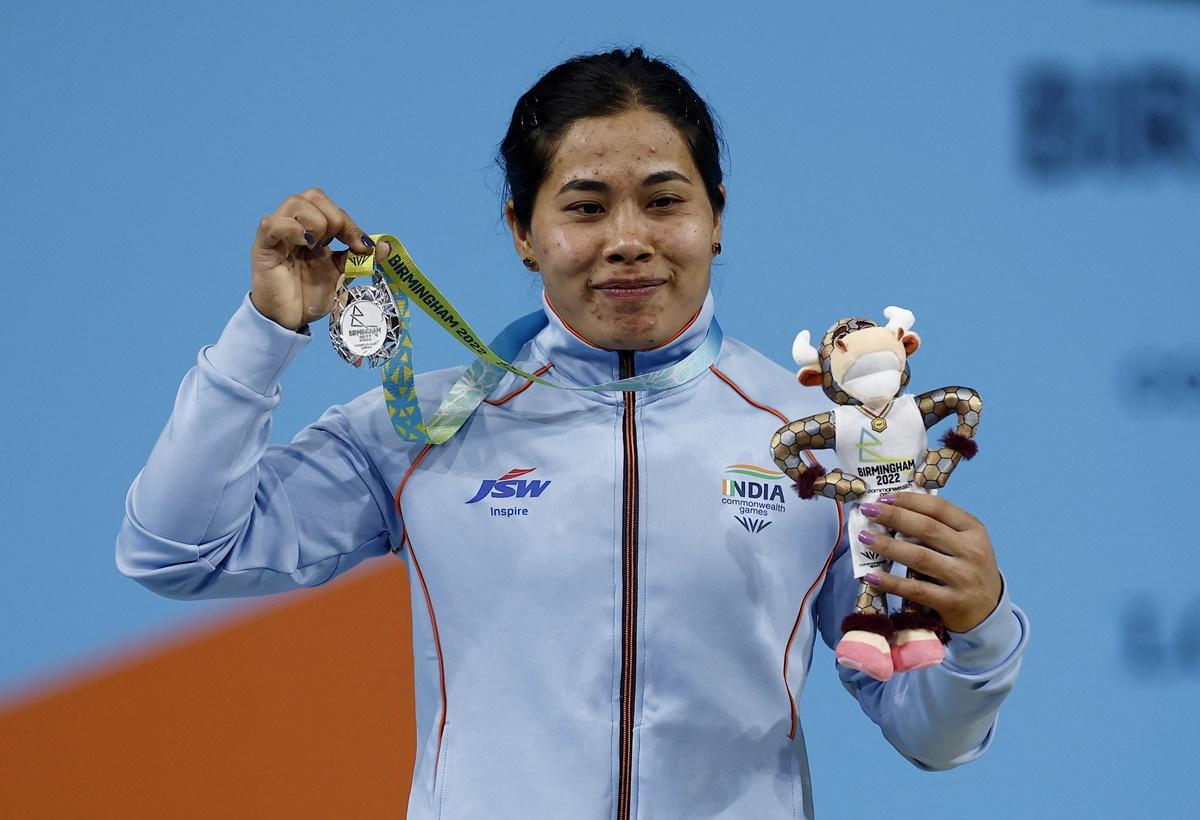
[[1024, 176]]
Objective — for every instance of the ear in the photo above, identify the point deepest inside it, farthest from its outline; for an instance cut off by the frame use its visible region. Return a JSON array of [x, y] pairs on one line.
[[520, 233], [911, 342], [809, 376]]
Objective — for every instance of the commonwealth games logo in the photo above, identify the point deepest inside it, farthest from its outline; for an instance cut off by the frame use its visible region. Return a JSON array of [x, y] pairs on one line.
[[755, 493], [755, 486]]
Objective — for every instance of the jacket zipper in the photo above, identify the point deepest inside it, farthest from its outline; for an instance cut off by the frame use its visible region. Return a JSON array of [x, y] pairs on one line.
[[629, 547]]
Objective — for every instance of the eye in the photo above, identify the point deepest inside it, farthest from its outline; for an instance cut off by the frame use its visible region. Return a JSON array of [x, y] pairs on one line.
[[664, 201], [586, 208]]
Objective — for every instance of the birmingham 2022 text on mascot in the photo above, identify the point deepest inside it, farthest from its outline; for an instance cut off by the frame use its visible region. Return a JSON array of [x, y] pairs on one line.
[[880, 437]]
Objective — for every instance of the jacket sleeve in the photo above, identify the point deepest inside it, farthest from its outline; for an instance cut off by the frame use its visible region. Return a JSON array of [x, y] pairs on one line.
[[218, 511], [941, 716]]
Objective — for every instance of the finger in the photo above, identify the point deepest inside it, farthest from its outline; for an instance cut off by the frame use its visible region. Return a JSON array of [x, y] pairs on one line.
[[923, 592], [339, 224], [929, 531], [275, 231], [332, 213], [306, 214], [354, 237], [339, 260], [938, 508], [382, 250], [914, 556]]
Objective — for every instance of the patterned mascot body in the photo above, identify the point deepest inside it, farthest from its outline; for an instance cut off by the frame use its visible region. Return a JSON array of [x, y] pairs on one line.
[[880, 437]]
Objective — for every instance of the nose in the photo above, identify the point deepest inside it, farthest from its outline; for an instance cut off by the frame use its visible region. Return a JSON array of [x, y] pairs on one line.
[[629, 241]]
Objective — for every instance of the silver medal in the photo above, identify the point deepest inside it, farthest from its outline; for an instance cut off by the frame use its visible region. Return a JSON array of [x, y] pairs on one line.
[[364, 323]]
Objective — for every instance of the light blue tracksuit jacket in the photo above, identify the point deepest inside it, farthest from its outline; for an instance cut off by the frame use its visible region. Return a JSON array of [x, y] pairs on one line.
[[614, 596]]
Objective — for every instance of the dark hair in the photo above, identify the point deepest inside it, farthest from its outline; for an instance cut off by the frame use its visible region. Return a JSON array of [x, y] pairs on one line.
[[597, 85]]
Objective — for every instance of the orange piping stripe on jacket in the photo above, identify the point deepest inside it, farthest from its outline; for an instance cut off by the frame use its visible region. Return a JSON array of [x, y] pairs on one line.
[[800, 616], [437, 641], [519, 390], [765, 408]]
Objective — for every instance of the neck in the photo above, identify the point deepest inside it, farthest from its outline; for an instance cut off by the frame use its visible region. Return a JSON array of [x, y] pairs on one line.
[[581, 360]]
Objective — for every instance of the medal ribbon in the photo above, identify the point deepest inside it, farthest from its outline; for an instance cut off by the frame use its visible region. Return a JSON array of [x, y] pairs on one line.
[[407, 283], [878, 420]]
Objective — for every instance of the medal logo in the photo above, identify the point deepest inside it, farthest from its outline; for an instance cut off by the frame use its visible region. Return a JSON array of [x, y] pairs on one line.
[[365, 323], [362, 327]]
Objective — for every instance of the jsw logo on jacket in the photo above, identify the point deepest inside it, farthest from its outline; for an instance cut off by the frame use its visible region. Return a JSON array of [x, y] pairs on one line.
[[510, 486]]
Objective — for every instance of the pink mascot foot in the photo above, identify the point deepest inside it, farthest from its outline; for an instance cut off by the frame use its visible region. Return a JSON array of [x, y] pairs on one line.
[[864, 645], [916, 649], [919, 639], [867, 652]]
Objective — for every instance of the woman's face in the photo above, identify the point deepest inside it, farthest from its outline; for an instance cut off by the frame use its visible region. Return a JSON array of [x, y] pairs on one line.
[[622, 230]]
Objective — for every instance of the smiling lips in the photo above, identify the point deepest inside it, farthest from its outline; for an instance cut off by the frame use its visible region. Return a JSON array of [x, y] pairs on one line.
[[629, 288]]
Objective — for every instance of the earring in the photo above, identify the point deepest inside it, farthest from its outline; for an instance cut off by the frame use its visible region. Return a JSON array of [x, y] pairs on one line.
[[529, 263], [716, 248]]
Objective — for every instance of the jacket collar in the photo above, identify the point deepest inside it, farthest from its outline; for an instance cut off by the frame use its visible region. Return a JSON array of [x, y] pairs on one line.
[[577, 360]]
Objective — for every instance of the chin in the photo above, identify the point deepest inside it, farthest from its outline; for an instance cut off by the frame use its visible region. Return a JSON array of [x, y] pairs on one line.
[[616, 339], [621, 331]]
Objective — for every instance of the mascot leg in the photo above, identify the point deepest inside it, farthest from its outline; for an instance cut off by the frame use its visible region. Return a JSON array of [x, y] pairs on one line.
[[920, 635], [866, 634]]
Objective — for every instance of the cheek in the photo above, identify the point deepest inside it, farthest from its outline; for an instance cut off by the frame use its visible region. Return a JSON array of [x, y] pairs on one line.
[[688, 242], [568, 248]]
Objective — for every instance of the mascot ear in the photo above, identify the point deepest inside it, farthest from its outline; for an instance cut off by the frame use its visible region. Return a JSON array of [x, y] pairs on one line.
[[805, 355], [809, 376], [911, 342]]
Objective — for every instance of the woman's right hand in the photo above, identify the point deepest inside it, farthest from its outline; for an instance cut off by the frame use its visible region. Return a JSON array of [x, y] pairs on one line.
[[293, 274]]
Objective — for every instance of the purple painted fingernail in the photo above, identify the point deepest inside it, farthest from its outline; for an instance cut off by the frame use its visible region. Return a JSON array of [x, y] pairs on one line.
[[887, 499], [366, 240], [309, 239], [867, 537], [870, 509], [873, 580]]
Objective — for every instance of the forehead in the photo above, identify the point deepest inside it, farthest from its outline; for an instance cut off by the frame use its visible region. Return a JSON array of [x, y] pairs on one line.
[[630, 144]]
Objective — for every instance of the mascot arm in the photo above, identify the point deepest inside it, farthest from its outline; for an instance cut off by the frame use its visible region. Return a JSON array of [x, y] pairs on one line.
[[958, 443]]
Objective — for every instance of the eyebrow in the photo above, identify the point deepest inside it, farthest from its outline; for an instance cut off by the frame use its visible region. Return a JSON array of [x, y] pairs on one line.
[[656, 178]]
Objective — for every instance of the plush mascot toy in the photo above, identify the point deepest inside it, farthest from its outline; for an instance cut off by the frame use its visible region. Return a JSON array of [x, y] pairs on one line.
[[880, 438]]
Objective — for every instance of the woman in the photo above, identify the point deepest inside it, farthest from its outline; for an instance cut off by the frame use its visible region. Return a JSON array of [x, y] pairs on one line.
[[614, 603]]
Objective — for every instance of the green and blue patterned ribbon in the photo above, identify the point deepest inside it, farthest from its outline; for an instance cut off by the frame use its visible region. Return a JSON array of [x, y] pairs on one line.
[[407, 283]]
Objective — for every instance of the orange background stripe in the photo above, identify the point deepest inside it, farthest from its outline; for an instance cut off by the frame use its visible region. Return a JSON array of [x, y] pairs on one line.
[[300, 709]]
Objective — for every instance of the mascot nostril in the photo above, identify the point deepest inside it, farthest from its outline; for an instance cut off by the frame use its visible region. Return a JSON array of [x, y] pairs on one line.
[[880, 436]]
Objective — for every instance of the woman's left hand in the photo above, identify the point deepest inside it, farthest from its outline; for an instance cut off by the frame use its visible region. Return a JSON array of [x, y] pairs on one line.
[[954, 550]]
